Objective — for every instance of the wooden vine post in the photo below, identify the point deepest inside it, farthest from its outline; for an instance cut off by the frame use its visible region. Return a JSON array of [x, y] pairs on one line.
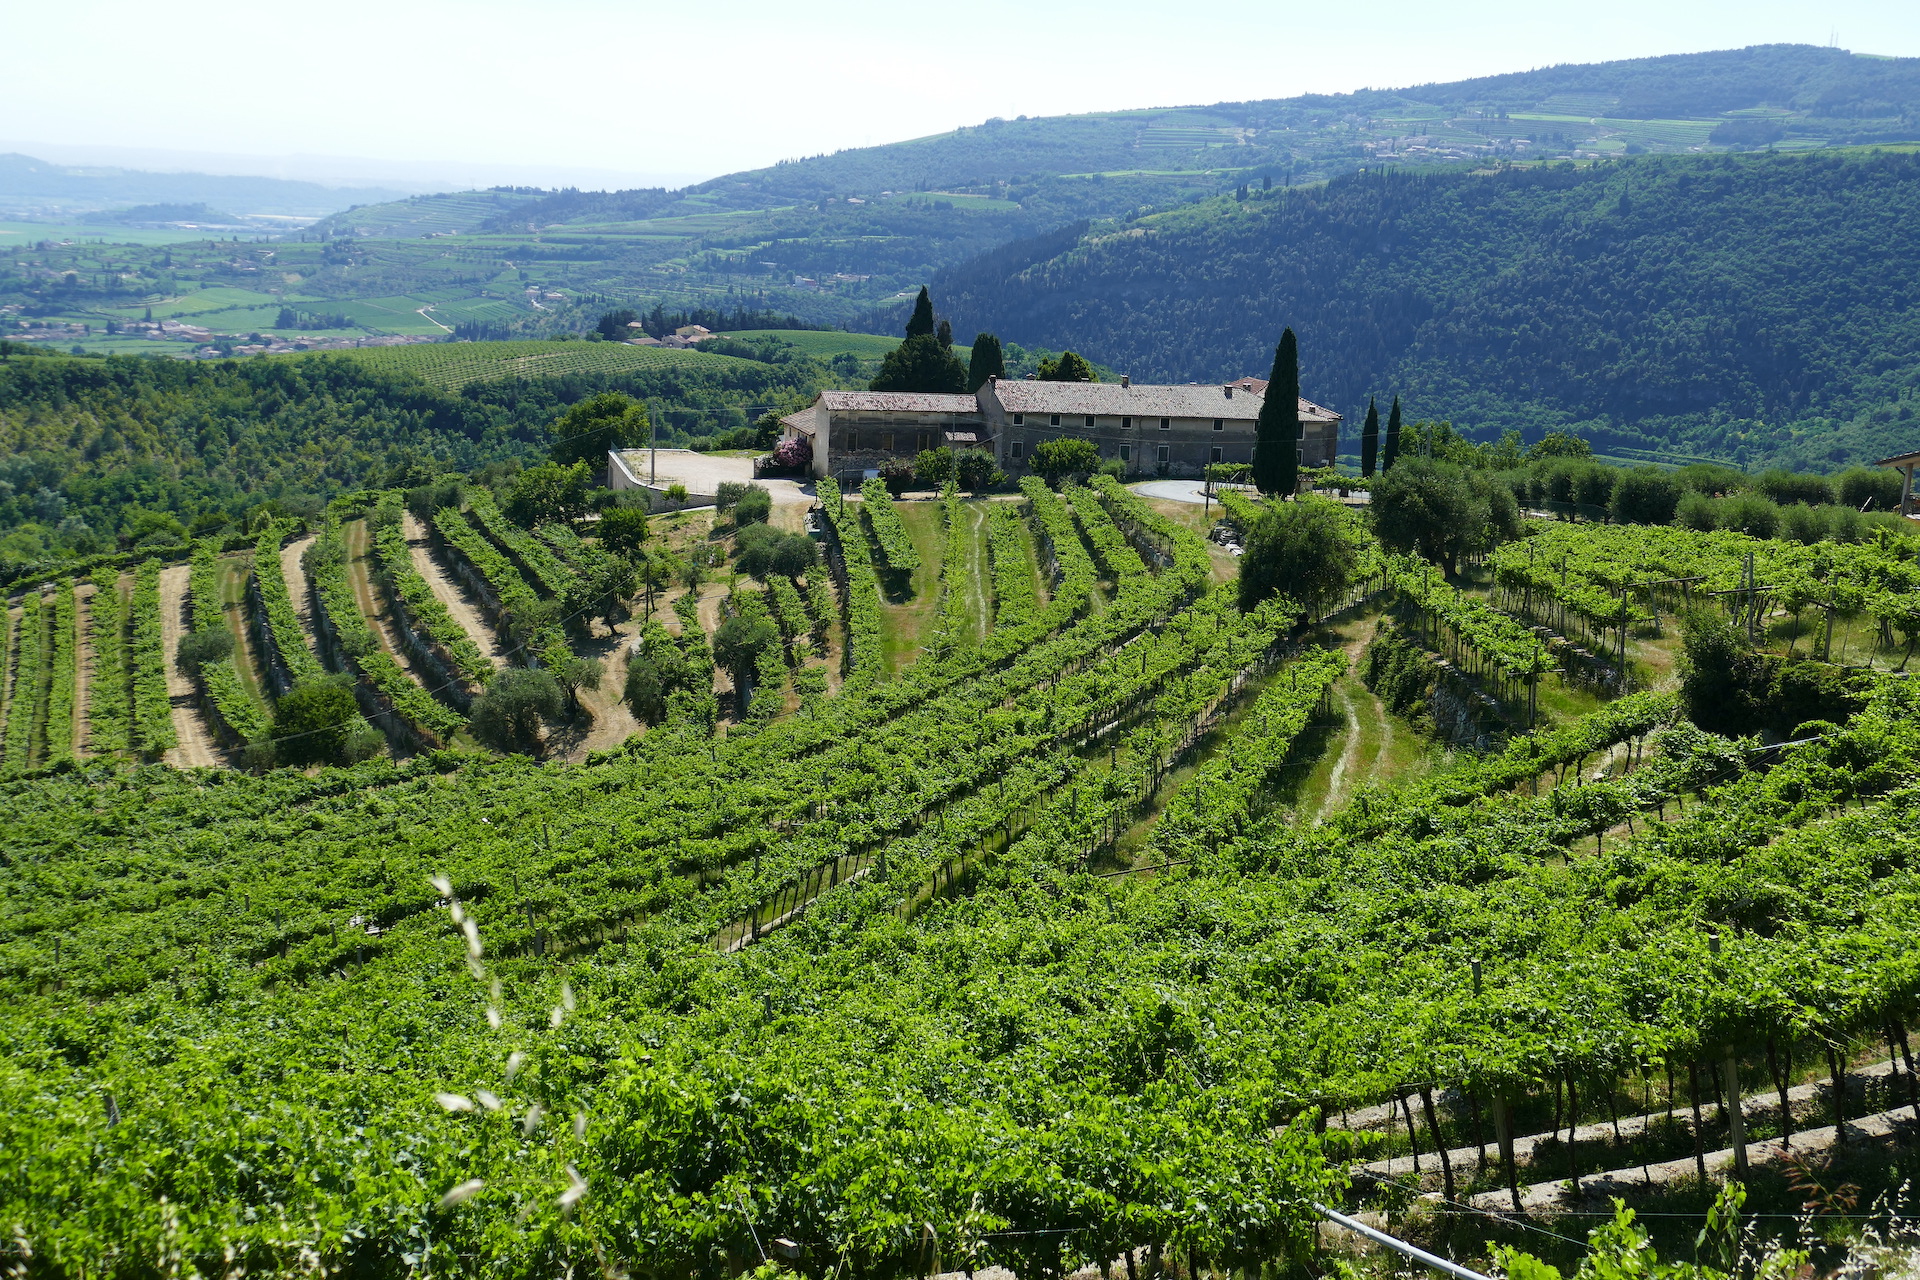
[[1736, 1120]]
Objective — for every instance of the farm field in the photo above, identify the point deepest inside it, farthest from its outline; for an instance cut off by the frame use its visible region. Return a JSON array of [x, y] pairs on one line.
[[825, 344], [1163, 880]]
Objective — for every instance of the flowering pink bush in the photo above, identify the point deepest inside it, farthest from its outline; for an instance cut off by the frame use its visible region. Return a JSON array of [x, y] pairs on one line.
[[794, 451]]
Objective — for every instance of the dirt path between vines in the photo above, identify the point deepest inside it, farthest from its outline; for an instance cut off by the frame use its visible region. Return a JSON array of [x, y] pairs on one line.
[[613, 721], [195, 742], [297, 589], [360, 574], [709, 614], [83, 664], [448, 591]]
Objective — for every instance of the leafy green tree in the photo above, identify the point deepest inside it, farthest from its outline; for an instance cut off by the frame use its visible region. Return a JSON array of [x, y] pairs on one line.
[[933, 468], [1276, 434], [550, 494], [987, 361], [1559, 444], [921, 364], [727, 493], [738, 642], [571, 672], [313, 723], [1370, 439], [1300, 549], [920, 323], [201, 647], [613, 324], [763, 550], [1442, 511], [1066, 457], [658, 670], [142, 527], [944, 336], [1390, 453], [510, 715], [1644, 495], [588, 430], [1718, 672], [1070, 367], [623, 530]]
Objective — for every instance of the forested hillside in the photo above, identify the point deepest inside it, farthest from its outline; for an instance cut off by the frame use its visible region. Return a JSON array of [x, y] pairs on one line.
[[1751, 308]]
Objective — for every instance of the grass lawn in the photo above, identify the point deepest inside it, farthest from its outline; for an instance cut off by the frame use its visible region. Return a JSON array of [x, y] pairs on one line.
[[907, 607], [234, 572]]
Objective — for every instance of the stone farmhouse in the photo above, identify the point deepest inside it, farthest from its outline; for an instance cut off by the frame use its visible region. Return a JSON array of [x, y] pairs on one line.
[[1153, 430]]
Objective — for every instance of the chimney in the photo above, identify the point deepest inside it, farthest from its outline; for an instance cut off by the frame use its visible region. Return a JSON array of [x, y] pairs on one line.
[[993, 377], [1125, 381], [1229, 390]]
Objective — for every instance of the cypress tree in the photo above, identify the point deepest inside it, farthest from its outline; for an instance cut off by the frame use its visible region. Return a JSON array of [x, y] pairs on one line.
[[921, 323], [1393, 436], [1276, 435], [1370, 439], [986, 361]]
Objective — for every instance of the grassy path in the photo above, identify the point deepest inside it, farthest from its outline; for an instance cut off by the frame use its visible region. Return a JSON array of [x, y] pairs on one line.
[[234, 572], [299, 591], [359, 542], [979, 576], [905, 620]]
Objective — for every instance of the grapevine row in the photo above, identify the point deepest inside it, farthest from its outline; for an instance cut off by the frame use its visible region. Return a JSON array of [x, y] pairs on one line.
[[889, 531]]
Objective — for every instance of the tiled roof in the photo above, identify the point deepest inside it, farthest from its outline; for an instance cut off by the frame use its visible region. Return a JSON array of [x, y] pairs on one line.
[[898, 402], [1111, 400]]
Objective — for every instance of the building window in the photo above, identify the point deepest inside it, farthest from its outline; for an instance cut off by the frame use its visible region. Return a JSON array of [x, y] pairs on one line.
[[886, 441], [1165, 453], [1055, 422], [926, 440], [1017, 448], [1126, 453], [1219, 424], [1089, 419], [1166, 424], [1216, 454], [1126, 424], [1019, 419]]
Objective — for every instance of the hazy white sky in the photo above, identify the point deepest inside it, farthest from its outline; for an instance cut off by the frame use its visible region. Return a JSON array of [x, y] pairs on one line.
[[695, 88]]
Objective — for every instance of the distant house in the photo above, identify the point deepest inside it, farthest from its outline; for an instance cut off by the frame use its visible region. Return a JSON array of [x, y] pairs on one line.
[[1152, 430], [693, 332]]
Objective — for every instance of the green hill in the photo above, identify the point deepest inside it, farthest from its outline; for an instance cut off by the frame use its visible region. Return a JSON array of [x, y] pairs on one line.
[[1752, 308]]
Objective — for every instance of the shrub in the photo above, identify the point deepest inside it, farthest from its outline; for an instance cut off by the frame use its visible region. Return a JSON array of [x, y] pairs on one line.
[[1858, 486], [1697, 511], [1801, 523], [1065, 459], [975, 471], [754, 506], [314, 723], [933, 468], [201, 647], [1787, 487], [1749, 513], [729, 493], [1644, 496]]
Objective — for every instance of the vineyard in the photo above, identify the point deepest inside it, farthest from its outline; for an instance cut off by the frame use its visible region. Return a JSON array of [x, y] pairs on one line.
[[451, 366], [1084, 938]]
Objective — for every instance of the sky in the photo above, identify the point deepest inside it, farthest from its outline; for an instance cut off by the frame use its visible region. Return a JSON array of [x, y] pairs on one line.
[[640, 92]]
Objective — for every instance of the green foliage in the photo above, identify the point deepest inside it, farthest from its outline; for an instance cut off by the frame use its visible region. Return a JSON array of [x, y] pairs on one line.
[[933, 468], [921, 364], [1398, 670], [109, 697], [1069, 367], [511, 714], [985, 361], [755, 506], [1276, 449], [1495, 317], [975, 471], [1370, 440], [1064, 459], [764, 551], [588, 431], [623, 530], [549, 493], [422, 608], [1391, 452], [315, 722], [152, 705], [1644, 496], [739, 641], [1441, 511], [1302, 550], [889, 531], [920, 323]]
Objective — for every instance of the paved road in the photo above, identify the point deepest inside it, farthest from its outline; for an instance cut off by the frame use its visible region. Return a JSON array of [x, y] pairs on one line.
[[1195, 491]]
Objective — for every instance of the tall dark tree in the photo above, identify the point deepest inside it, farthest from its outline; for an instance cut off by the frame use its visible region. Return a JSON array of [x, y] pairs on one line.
[[1392, 453], [945, 336], [1370, 439], [986, 362], [920, 324], [1276, 435], [920, 364]]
